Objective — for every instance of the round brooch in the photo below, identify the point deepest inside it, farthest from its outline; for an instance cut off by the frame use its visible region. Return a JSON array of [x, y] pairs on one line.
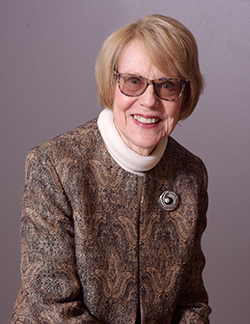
[[168, 200]]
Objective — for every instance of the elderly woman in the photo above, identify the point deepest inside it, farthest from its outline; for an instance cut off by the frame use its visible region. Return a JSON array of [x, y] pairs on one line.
[[113, 211]]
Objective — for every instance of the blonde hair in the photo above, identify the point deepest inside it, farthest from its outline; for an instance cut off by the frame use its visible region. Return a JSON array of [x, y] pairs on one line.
[[167, 43]]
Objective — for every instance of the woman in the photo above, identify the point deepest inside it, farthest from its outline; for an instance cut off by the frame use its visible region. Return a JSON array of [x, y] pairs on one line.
[[114, 210]]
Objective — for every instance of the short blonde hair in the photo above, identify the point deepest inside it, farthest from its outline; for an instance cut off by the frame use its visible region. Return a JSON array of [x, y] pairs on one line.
[[167, 43]]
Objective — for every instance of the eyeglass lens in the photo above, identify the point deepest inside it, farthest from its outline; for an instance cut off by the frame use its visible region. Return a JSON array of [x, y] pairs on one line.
[[132, 85]]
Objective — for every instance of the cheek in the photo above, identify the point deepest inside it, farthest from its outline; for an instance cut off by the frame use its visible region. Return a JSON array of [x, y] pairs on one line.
[[173, 110], [121, 102]]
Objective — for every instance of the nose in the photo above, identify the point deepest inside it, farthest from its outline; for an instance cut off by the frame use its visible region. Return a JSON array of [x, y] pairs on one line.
[[149, 98]]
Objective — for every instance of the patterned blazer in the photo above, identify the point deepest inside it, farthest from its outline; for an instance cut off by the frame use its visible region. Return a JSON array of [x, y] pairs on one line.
[[91, 254]]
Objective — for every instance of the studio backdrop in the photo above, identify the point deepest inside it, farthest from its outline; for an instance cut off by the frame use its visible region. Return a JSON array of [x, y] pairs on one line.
[[47, 86]]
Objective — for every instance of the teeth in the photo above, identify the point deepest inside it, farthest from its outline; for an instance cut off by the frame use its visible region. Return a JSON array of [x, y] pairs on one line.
[[146, 120]]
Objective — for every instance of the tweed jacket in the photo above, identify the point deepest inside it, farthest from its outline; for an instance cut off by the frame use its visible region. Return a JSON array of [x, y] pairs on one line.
[[91, 254]]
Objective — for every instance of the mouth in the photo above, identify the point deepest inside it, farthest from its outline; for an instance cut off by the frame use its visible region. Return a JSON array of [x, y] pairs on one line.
[[145, 120]]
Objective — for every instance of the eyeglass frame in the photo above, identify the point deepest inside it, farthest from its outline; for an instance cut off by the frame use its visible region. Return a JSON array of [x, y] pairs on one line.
[[149, 82]]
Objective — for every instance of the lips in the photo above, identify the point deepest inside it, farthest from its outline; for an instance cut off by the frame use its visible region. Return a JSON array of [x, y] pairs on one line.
[[145, 120]]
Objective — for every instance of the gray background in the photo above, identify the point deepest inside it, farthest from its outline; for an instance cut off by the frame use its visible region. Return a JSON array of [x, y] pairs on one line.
[[47, 55]]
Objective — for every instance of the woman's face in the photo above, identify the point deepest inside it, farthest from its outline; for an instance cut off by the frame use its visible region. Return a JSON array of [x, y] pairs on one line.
[[143, 121]]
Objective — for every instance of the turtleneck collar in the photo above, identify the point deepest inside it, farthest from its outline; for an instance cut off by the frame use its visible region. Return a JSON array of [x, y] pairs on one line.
[[121, 153]]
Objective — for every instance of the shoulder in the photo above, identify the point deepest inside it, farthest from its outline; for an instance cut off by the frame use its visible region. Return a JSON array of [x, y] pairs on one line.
[[80, 135], [176, 149], [180, 162], [74, 144]]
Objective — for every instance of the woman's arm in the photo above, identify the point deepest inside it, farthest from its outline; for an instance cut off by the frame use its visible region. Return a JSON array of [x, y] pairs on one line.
[[51, 291], [192, 306]]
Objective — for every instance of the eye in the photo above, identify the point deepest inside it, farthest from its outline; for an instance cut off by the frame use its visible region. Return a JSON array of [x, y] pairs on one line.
[[133, 80], [166, 85]]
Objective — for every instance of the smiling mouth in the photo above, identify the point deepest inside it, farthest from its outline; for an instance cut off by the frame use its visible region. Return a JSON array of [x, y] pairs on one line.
[[146, 120]]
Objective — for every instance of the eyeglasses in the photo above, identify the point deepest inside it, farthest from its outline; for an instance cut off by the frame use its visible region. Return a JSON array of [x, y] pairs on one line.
[[133, 85]]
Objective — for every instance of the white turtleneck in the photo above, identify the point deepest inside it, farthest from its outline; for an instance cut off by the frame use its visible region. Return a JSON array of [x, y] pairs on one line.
[[121, 153]]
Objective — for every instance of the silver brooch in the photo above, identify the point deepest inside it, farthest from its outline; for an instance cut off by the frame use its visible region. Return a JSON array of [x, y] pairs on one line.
[[169, 200]]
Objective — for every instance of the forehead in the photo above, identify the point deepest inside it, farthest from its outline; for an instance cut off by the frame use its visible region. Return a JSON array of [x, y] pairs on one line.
[[135, 58]]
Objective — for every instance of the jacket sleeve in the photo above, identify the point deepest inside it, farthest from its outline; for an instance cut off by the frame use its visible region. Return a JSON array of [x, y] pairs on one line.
[[50, 291], [192, 305]]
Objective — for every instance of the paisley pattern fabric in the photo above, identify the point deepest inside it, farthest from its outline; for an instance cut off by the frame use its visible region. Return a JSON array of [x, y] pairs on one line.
[[90, 254]]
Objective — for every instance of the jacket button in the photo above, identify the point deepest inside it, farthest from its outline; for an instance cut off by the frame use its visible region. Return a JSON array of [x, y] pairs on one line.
[[168, 200]]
